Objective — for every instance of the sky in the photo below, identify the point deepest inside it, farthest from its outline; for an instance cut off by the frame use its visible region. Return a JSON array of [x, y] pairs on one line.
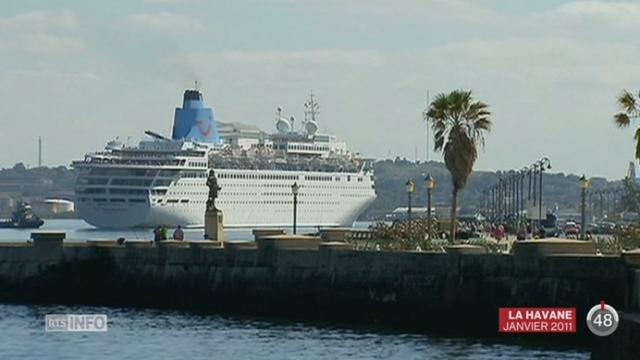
[[79, 73]]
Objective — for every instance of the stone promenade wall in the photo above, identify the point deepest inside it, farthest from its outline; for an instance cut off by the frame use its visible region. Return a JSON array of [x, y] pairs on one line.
[[447, 292]]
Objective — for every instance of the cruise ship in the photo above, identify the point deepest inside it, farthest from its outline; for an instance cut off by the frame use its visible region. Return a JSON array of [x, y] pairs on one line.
[[162, 181]]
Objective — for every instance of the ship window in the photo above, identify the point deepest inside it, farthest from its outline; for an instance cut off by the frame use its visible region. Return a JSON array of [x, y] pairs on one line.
[[172, 201], [184, 200], [99, 199], [93, 191], [128, 191], [97, 181], [131, 182], [139, 200], [168, 173], [160, 182], [116, 200]]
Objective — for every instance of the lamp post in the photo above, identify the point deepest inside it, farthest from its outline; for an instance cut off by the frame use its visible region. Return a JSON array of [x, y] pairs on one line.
[[502, 198], [584, 185], [494, 202], [523, 174], [590, 206], [535, 176], [544, 163], [430, 183], [529, 193], [411, 187], [512, 193], [515, 194], [295, 188]]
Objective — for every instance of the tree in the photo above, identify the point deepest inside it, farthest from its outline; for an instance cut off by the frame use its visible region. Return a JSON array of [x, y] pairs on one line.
[[459, 123], [629, 104]]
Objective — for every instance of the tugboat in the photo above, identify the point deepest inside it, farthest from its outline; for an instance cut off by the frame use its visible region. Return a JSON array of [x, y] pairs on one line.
[[22, 218]]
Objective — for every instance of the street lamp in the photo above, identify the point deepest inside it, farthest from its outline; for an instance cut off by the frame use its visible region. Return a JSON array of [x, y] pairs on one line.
[[500, 198], [584, 185], [544, 164], [411, 187], [430, 183], [295, 188], [523, 174], [534, 167]]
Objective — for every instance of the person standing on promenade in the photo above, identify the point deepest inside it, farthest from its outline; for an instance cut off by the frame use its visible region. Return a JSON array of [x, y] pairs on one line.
[[157, 234], [178, 234]]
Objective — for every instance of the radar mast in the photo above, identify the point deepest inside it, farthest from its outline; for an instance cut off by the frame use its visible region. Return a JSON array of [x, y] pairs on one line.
[[312, 108]]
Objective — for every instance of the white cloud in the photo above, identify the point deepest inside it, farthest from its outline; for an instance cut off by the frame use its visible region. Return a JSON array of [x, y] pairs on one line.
[[41, 32], [41, 43], [39, 21], [464, 10], [616, 14], [316, 56], [165, 23]]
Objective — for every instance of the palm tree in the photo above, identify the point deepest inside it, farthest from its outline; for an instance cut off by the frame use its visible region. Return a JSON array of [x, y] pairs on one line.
[[458, 122], [630, 107]]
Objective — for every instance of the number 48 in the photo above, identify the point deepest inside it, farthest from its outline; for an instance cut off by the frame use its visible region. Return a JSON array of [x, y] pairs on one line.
[[605, 320]]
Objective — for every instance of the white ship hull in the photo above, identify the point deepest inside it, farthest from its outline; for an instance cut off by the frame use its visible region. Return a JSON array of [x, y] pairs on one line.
[[245, 199]]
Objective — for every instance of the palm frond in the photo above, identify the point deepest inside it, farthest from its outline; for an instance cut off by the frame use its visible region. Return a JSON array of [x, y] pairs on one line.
[[483, 123], [621, 119], [628, 104]]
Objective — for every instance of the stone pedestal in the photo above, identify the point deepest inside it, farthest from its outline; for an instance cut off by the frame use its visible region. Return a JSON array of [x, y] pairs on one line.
[[213, 227], [553, 246]]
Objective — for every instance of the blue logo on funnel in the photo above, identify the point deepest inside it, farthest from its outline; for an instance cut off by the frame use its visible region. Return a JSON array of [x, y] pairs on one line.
[[195, 120]]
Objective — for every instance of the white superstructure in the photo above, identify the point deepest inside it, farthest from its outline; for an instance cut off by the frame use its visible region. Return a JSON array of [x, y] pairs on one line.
[[163, 181]]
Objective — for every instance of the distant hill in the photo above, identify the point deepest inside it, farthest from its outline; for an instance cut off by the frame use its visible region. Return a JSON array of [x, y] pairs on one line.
[[391, 176]]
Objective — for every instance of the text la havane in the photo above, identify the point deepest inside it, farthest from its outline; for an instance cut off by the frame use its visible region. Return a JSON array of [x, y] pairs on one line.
[[540, 314]]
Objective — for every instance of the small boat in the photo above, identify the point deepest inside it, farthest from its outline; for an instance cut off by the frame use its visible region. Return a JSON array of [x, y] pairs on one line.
[[22, 218]]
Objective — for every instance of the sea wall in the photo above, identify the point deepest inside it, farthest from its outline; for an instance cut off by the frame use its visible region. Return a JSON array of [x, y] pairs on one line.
[[447, 292]]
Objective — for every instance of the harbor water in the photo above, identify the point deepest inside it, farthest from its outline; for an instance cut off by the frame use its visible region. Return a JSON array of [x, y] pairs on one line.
[[164, 334], [168, 334]]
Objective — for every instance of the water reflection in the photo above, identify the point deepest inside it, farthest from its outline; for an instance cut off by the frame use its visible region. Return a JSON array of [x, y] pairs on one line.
[[161, 334]]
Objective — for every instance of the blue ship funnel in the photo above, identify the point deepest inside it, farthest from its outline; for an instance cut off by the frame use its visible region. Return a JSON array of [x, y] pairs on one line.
[[195, 120]]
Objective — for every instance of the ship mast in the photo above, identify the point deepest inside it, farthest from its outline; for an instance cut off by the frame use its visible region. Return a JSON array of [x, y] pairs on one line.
[[312, 109]]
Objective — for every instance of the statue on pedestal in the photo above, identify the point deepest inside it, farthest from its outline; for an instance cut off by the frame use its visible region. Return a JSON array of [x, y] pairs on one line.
[[214, 188], [213, 224]]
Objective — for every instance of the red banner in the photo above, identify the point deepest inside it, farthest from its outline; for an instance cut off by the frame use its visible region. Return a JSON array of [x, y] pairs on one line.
[[537, 320]]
